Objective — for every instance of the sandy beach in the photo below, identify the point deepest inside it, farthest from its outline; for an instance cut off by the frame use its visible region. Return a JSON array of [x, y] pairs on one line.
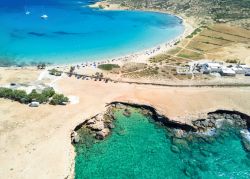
[[144, 55]]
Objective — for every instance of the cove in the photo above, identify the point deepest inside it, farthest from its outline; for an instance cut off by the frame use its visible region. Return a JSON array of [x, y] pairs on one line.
[[140, 148], [75, 33]]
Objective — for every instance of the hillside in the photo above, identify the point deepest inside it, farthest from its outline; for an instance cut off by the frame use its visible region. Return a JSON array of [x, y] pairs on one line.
[[204, 11]]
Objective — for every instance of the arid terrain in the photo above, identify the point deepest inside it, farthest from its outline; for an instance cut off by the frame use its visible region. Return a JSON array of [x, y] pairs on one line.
[[36, 141]]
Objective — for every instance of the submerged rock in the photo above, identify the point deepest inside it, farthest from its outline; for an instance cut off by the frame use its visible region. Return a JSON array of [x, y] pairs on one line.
[[175, 149], [127, 113], [182, 143], [203, 166]]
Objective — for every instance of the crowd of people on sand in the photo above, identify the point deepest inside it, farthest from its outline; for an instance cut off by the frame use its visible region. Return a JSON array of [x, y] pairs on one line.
[[127, 58], [119, 60]]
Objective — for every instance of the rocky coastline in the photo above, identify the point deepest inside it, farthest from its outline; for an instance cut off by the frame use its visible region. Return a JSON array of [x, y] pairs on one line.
[[101, 125]]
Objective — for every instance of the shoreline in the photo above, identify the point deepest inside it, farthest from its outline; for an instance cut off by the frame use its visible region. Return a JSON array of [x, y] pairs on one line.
[[195, 126], [107, 117], [140, 56], [50, 134]]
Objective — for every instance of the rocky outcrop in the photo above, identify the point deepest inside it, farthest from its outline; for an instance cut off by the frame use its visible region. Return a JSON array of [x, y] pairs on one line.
[[148, 110], [215, 120], [75, 138], [101, 125]]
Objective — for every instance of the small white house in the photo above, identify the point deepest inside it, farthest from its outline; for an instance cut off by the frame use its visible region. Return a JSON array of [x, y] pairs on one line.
[[227, 72]]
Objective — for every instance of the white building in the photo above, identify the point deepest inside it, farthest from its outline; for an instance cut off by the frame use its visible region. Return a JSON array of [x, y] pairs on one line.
[[227, 72], [238, 69], [247, 71], [211, 67]]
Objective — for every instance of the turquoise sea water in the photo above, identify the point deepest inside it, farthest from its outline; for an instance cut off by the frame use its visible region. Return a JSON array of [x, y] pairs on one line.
[[139, 148], [76, 33]]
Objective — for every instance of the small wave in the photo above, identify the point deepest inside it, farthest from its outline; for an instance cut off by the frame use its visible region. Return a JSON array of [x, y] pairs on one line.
[[245, 134]]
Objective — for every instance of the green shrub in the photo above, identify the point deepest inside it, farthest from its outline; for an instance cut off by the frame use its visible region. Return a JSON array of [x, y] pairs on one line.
[[48, 92], [20, 96], [43, 97], [232, 61], [59, 99], [55, 72], [33, 96], [5, 93], [108, 66], [195, 32]]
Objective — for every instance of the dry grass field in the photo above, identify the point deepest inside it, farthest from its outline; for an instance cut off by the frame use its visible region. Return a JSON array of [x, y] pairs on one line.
[[217, 42]]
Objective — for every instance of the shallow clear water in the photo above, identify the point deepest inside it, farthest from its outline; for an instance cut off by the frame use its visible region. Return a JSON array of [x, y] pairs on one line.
[[138, 148], [76, 33]]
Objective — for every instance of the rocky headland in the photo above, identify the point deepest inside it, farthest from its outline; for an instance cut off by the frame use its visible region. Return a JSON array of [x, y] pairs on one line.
[[101, 125]]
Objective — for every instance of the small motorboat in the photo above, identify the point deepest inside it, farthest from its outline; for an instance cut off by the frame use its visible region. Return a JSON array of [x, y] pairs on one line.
[[44, 16], [27, 12]]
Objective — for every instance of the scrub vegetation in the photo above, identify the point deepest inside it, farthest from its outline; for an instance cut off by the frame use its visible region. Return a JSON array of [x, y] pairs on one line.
[[48, 95]]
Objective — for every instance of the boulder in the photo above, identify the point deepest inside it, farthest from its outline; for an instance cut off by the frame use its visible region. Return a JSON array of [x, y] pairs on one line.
[[97, 126], [99, 117], [146, 112], [236, 117], [91, 121], [213, 121], [75, 137], [214, 116], [204, 123], [102, 134], [210, 124], [111, 126], [178, 133], [228, 116], [196, 123], [120, 106]]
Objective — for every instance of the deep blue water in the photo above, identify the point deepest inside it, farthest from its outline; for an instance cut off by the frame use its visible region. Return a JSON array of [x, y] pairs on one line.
[[75, 33]]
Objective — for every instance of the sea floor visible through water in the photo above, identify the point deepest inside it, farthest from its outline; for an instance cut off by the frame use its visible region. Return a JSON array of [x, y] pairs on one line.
[[75, 33], [140, 148]]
